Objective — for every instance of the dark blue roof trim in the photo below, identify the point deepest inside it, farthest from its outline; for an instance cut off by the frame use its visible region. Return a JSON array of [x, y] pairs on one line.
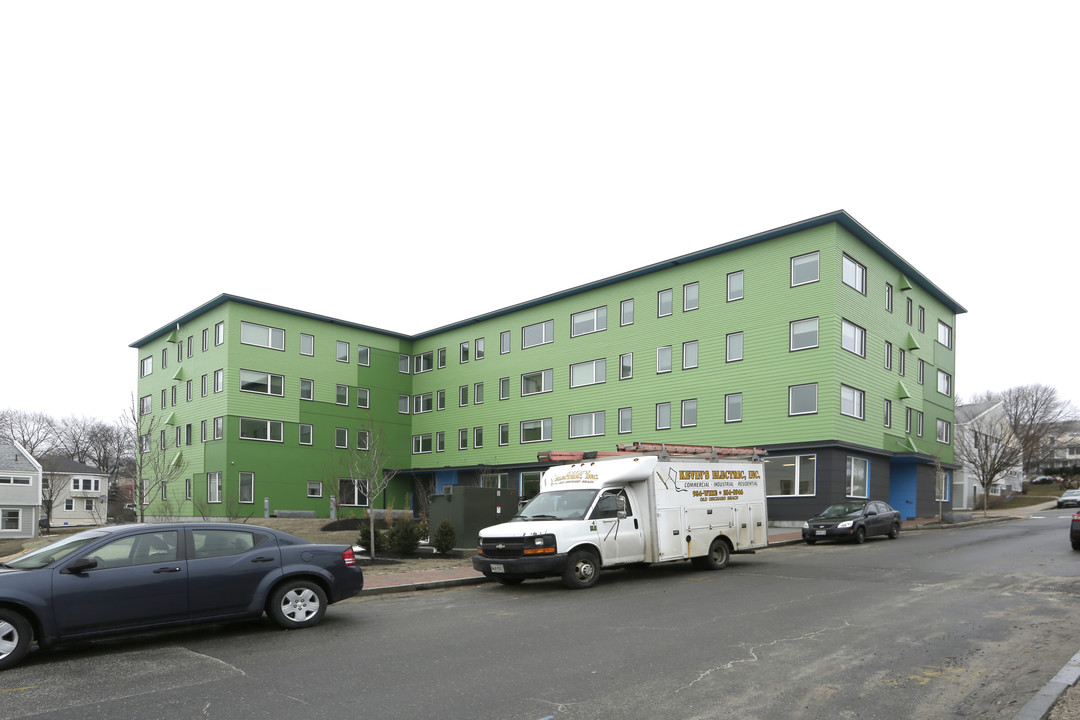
[[839, 217]]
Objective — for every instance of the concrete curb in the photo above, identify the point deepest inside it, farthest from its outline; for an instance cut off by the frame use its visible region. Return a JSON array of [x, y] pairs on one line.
[[424, 585], [1038, 707]]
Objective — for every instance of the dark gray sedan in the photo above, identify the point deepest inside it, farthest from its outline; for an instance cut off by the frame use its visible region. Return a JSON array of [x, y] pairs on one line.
[[136, 577], [853, 521]]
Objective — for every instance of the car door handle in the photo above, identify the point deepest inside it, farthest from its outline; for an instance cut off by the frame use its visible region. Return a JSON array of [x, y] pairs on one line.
[[262, 559], [167, 570]]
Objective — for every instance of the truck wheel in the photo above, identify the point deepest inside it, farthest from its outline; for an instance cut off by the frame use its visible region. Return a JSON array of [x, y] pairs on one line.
[[508, 580], [15, 637], [582, 570], [717, 558]]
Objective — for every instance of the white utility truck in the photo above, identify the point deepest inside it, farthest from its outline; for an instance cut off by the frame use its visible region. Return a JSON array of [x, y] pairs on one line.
[[639, 505]]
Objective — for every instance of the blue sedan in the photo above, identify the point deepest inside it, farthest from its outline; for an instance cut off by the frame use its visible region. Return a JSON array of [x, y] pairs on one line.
[[131, 578]]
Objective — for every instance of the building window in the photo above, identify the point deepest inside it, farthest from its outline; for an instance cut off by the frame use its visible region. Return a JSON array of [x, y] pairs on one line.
[[172, 395], [146, 404], [858, 477], [588, 321], [888, 297], [922, 319], [733, 407], [205, 344], [202, 431], [734, 347], [504, 388], [664, 303], [421, 444], [852, 401], [403, 404], [902, 362], [910, 310], [440, 399], [219, 380], [804, 269], [802, 399], [307, 344], [363, 440], [187, 483], [314, 489], [944, 334], [187, 392], [663, 416], [341, 395], [363, 355], [921, 373], [259, 429], [342, 351], [690, 298], [363, 397], [219, 333], [592, 372], [907, 420], [735, 286], [352, 492], [341, 437], [888, 413], [888, 355], [804, 334], [478, 437], [478, 349], [463, 352], [587, 424], [440, 441], [86, 484], [504, 342], [305, 434], [307, 389], [853, 338], [626, 312], [262, 336], [10, 519], [463, 396], [504, 434], [791, 475], [165, 358], [919, 423], [626, 366], [943, 484], [626, 420], [690, 355], [213, 487], [536, 382], [205, 385], [403, 364], [463, 439], [423, 362], [219, 428], [146, 366], [535, 430], [663, 359], [944, 383], [263, 383], [247, 487], [689, 413], [422, 403], [944, 431], [538, 334], [854, 275]]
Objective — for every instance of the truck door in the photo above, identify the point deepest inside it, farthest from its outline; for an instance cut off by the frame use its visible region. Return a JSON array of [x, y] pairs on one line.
[[622, 540]]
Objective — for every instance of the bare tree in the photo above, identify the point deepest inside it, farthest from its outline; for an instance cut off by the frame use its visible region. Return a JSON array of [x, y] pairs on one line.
[[986, 445], [35, 431], [74, 437], [110, 451], [154, 467], [368, 471], [51, 486], [1032, 412]]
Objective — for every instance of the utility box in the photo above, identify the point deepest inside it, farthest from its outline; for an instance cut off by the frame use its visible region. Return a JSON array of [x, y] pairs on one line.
[[469, 509]]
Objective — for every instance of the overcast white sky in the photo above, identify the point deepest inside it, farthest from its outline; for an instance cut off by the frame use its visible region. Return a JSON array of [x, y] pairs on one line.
[[408, 164]]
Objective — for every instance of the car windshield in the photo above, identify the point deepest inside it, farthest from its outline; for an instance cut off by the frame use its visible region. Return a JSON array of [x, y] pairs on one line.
[[843, 510], [559, 505], [52, 552]]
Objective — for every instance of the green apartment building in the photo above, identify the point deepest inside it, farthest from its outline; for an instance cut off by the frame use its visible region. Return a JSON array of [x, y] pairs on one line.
[[814, 341]]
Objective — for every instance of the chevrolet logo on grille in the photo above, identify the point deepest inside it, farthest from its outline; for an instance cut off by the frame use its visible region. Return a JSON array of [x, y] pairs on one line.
[[500, 546]]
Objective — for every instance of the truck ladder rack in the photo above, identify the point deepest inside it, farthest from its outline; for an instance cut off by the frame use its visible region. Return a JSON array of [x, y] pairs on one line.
[[663, 450]]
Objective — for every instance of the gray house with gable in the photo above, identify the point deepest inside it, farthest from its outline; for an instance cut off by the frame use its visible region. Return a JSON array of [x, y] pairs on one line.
[[20, 492]]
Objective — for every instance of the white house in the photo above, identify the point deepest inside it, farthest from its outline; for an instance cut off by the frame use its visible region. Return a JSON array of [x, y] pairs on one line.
[[73, 493], [20, 492], [967, 492]]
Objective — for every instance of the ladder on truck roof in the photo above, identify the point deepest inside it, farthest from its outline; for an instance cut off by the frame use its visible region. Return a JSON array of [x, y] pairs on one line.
[[663, 450]]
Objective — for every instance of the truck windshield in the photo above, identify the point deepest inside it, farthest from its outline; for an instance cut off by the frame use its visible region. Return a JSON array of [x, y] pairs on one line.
[[558, 505]]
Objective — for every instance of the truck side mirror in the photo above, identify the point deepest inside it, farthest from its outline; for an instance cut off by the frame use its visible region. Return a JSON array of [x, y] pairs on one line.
[[620, 505]]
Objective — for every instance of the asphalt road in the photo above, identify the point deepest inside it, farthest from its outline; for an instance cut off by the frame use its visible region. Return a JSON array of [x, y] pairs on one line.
[[964, 623]]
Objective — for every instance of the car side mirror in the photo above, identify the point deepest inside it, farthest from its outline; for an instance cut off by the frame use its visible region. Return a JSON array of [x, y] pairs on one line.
[[871, 512], [79, 566]]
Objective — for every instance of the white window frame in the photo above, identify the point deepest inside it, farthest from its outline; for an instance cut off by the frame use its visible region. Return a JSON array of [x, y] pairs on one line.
[[852, 402], [363, 397], [816, 255], [314, 489], [729, 415], [269, 426], [626, 312], [341, 351], [547, 334], [729, 352], [146, 366], [736, 294], [275, 337], [546, 382], [944, 431], [663, 359], [626, 362], [307, 345], [421, 444], [791, 397], [663, 416], [690, 354], [595, 422], [423, 362], [665, 297], [944, 334], [592, 321], [307, 389], [944, 383], [853, 274], [791, 334], [213, 487], [544, 426], [341, 395], [251, 377], [310, 434], [626, 420], [849, 468], [852, 338], [691, 296], [688, 413], [596, 370], [363, 355], [250, 480]]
